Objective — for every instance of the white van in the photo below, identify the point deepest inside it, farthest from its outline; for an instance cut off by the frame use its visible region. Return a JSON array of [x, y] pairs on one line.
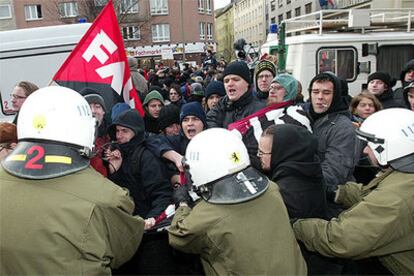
[[350, 43], [34, 55]]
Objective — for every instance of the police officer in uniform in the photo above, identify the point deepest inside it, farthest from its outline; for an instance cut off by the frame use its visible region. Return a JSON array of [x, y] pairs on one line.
[[57, 214], [240, 225]]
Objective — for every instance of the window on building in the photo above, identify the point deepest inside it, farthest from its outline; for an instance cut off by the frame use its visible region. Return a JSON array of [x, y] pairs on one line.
[[68, 9], [201, 6], [288, 14], [280, 3], [33, 12], [308, 8], [297, 11], [273, 20], [159, 7], [280, 18], [160, 32], [131, 33], [288, 2], [202, 27], [208, 6], [5, 12], [209, 31], [340, 61], [128, 6]]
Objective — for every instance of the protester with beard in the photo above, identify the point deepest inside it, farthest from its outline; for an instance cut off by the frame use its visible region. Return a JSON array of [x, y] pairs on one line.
[[380, 85], [239, 101], [338, 148], [152, 105]]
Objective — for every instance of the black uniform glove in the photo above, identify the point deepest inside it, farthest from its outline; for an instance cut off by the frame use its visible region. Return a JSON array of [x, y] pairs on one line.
[[180, 194]]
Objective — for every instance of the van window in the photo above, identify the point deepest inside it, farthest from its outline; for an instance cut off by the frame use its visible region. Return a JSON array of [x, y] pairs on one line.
[[392, 58], [340, 61]]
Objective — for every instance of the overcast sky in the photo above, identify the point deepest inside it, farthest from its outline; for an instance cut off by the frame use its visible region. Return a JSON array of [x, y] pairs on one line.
[[220, 3]]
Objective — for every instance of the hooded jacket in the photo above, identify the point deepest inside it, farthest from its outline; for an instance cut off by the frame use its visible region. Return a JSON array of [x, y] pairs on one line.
[[398, 94], [144, 178], [227, 112], [338, 144], [295, 167]]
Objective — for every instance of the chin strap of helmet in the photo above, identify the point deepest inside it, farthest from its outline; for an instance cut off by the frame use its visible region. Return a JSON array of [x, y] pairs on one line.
[[404, 164]]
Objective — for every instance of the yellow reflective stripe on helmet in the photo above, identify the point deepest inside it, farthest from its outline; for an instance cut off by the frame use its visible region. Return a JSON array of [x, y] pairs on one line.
[[58, 159], [17, 157]]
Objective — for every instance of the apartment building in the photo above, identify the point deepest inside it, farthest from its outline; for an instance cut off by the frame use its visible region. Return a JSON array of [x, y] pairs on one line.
[[280, 10], [249, 21], [225, 31], [156, 29]]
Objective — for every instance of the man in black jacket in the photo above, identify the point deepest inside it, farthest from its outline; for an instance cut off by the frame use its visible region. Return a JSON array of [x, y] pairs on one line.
[[140, 172], [239, 101]]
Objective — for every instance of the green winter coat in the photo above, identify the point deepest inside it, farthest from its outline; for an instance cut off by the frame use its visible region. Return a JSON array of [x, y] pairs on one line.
[[249, 238], [79, 224], [380, 223]]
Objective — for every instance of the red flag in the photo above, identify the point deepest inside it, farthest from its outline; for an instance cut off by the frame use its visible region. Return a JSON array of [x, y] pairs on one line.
[[99, 61]]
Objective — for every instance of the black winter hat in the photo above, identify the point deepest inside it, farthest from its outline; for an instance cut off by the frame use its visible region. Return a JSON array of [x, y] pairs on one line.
[[239, 68], [194, 109], [385, 77], [169, 114], [93, 96], [215, 87]]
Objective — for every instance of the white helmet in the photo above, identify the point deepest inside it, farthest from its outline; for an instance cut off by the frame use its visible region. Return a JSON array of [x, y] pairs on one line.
[[59, 114], [390, 134], [215, 153]]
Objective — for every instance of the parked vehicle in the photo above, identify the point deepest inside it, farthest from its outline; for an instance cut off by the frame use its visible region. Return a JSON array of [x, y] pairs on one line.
[[33, 55], [350, 43]]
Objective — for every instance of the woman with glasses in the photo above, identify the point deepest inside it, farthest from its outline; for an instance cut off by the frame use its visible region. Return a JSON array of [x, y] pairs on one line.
[[20, 92]]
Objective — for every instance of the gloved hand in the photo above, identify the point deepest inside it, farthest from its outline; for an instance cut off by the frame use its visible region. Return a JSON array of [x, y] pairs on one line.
[[180, 194]]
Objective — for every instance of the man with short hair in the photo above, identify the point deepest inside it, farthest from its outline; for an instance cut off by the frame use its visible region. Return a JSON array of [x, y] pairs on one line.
[[380, 85], [239, 101], [332, 125]]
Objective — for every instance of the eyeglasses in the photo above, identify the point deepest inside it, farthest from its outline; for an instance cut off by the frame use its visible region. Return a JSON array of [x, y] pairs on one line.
[[260, 153], [276, 87], [17, 97], [264, 76]]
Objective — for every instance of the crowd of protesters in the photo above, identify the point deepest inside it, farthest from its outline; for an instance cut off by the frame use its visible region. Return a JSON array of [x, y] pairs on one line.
[[309, 149]]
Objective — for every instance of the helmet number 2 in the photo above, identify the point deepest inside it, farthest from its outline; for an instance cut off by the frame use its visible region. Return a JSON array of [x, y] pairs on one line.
[[31, 163]]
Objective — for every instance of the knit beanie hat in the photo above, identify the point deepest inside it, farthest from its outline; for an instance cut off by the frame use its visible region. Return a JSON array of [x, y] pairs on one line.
[[289, 83], [194, 109], [8, 133], [265, 65], [386, 78], [153, 95], [197, 89], [118, 108], [169, 114], [239, 68], [215, 87], [96, 99]]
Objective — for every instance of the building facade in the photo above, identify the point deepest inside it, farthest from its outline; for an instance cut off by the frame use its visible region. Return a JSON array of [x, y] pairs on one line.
[[249, 21], [225, 32], [156, 29]]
